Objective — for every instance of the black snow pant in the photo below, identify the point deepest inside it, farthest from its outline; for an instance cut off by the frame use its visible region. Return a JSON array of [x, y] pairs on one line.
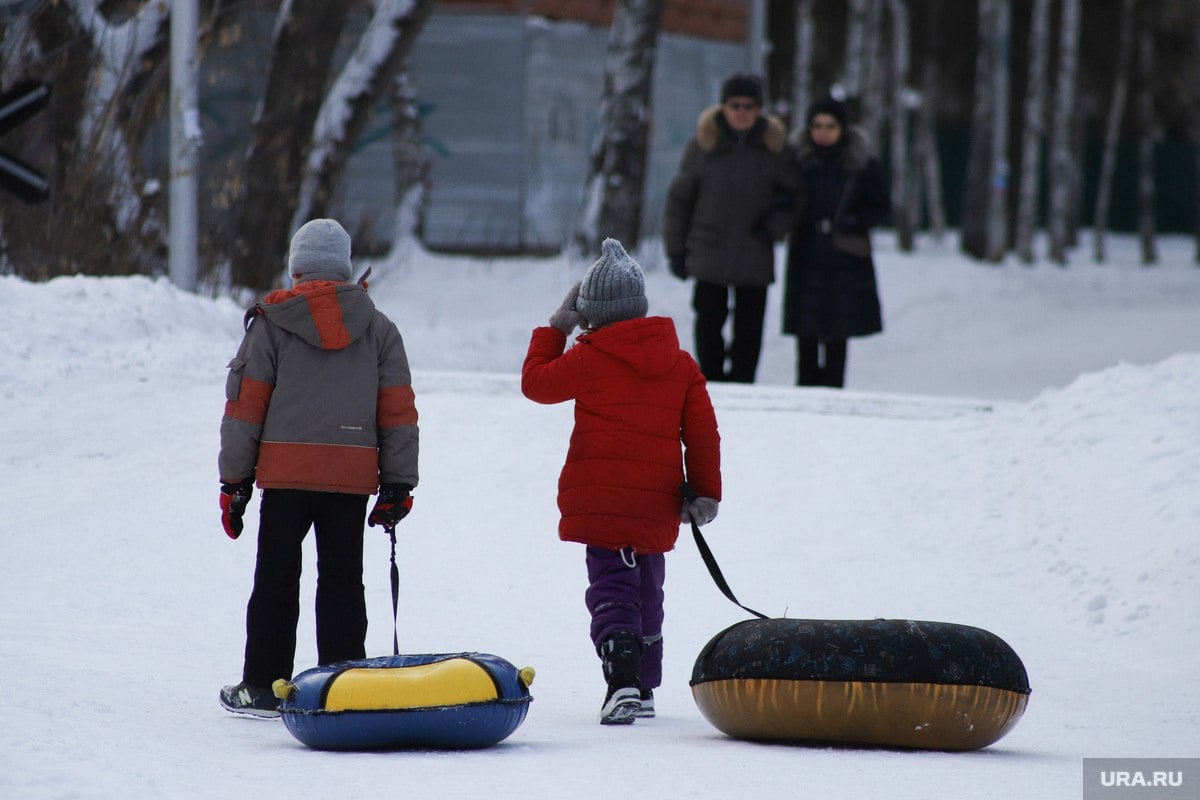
[[810, 371], [711, 303], [274, 608]]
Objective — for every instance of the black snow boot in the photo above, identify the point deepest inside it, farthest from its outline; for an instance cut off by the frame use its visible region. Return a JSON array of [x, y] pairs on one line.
[[621, 656]]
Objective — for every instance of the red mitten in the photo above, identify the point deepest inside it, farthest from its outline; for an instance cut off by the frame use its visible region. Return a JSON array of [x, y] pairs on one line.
[[234, 498]]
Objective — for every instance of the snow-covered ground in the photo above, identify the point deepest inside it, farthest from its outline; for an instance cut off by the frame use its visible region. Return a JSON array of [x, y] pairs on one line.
[[1018, 451]]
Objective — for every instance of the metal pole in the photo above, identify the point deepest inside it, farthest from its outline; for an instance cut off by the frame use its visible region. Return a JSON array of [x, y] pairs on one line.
[[185, 142]]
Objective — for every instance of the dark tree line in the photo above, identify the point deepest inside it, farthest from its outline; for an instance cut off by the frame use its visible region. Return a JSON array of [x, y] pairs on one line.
[[1031, 81]]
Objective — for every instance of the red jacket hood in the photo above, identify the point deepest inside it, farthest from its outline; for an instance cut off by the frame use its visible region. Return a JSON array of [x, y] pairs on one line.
[[325, 314], [647, 344]]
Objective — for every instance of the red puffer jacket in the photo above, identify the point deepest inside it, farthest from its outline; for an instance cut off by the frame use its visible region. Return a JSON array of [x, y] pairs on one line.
[[638, 396]]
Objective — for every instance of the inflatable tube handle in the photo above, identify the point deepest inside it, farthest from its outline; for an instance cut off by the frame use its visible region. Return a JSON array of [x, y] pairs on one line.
[[394, 576], [710, 561]]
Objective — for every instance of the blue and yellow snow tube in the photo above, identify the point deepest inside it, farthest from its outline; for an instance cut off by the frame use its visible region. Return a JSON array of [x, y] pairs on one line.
[[442, 701], [879, 683]]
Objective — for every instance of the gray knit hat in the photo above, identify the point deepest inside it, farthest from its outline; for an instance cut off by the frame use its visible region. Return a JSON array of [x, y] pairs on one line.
[[320, 251], [613, 289]]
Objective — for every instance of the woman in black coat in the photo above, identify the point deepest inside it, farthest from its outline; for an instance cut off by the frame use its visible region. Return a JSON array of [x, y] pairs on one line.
[[830, 292]]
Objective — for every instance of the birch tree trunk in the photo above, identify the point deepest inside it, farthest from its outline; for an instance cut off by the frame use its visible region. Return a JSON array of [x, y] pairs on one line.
[[1062, 162], [1034, 130], [902, 209], [411, 163], [802, 77], [1079, 127], [997, 211], [1112, 132], [928, 157], [306, 34], [1147, 134], [874, 104], [612, 204], [120, 48], [365, 80], [979, 167], [853, 78]]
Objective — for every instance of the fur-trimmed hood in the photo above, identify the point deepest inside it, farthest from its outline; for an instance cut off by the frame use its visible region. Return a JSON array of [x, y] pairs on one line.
[[709, 131], [854, 150]]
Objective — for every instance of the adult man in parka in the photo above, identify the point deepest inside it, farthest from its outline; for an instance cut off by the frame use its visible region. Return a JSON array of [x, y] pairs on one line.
[[728, 204]]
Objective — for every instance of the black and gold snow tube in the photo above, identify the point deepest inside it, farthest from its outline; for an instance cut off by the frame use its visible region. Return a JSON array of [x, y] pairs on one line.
[[880, 683]]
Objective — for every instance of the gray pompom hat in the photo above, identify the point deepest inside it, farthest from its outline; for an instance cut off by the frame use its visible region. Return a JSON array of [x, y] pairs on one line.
[[320, 251], [613, 289]]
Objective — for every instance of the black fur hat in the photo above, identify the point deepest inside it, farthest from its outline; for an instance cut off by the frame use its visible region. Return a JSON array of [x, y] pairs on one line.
[[742, 85], [828, 105]]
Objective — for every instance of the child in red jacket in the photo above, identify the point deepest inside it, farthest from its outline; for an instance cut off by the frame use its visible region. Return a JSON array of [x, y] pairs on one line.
[[642, 416]]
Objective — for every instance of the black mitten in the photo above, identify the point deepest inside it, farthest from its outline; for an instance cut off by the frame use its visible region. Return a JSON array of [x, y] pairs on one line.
[[393, 505]]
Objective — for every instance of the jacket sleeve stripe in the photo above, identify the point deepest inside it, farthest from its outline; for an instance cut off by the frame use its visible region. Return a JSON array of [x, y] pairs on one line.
[[251, 405], [397, 406]]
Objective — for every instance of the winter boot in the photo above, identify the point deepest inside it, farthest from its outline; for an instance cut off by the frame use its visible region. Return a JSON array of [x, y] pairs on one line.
[[242, 698], [646, 709], [621, 656]]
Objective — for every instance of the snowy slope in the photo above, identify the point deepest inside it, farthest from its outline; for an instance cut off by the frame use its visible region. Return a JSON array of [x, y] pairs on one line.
[[970, 474]]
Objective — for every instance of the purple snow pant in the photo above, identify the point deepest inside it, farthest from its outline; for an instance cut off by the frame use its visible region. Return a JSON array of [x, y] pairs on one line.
[[628, 598]]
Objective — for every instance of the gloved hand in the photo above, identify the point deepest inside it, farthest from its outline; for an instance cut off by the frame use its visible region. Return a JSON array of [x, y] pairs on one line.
[[701, 510], [678, 265], [566, 318], [849, 223], [234, 497], [393, 505]]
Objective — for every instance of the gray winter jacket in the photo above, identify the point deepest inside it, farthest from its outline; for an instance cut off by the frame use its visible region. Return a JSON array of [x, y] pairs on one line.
[[730, 201], [319, 395]]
